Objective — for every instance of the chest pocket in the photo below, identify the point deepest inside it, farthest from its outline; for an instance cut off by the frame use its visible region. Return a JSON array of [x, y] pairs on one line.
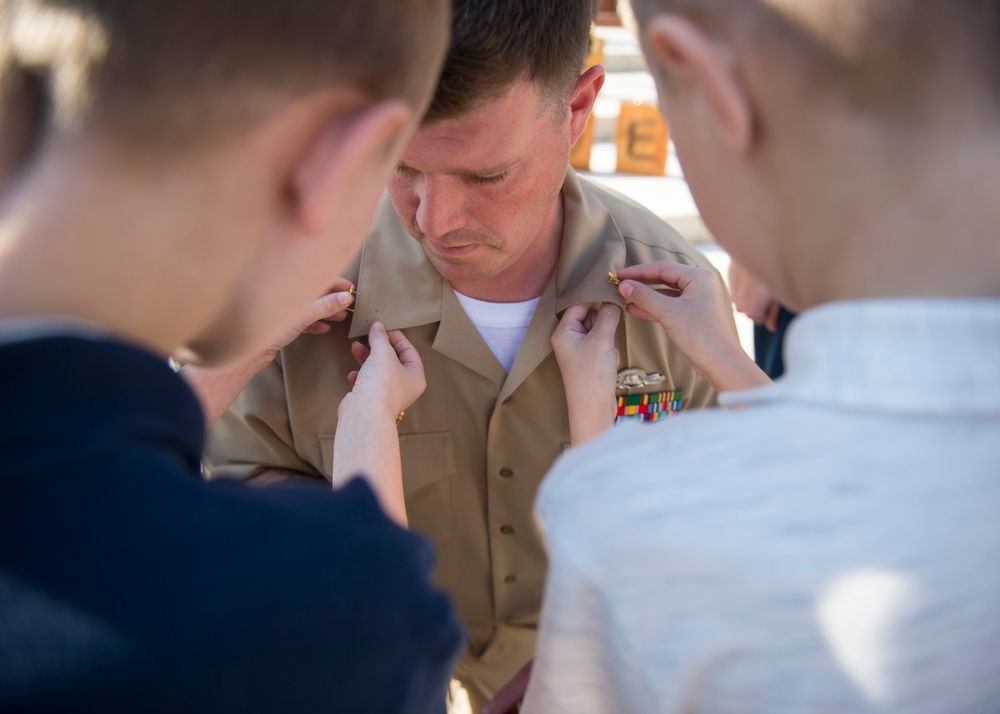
[[428, 465], [646, 388]]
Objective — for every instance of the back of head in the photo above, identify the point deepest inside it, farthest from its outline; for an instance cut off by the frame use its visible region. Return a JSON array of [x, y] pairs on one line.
[[175, 73], [879, 55], [495, 44], [842, 123]]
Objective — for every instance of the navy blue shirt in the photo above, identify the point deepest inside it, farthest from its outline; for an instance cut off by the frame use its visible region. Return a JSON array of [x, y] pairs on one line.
[[129, 584]]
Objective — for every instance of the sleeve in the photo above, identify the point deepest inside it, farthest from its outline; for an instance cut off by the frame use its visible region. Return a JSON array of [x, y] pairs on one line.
[[398, 651], [253, 440], [334, 609]]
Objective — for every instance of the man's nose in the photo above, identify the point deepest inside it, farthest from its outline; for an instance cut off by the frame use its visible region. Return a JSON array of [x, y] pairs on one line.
[[440, 209]]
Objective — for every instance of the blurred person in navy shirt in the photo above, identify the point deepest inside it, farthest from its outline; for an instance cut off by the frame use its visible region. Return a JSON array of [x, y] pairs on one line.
[[173, 179]]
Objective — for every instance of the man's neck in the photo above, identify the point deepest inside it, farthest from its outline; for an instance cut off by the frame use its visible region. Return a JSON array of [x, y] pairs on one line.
[[528, 276], [83, 240]]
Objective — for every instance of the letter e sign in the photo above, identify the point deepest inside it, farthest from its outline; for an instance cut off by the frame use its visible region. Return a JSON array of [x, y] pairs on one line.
[[642, 138]]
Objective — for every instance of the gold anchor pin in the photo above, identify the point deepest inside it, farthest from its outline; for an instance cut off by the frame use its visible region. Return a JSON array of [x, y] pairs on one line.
[[354, 293]]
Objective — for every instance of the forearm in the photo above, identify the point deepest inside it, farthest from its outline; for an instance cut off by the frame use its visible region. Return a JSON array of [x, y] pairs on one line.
[[367, 445], [217, 389], [732, 371], [591, 412]]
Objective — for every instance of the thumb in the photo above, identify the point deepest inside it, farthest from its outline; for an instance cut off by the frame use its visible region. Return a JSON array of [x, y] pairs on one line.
[[576, 313], [643, 297], [328, 306], [607, 320], [378, 340]]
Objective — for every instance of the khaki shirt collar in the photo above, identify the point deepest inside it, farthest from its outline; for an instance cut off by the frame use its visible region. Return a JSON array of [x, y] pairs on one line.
[[398, 285], [592, 247]]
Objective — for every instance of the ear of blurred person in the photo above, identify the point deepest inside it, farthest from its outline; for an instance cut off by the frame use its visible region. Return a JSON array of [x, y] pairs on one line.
[[255, 225]]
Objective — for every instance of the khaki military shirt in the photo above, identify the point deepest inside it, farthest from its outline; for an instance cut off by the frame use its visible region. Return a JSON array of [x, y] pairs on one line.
[[477, 443]]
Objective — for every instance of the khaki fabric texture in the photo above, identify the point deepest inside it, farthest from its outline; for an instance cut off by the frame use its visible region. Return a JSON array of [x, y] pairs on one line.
[[478, 442]]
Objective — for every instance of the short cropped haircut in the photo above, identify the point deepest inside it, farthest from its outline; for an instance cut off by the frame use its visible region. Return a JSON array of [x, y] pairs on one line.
[[878, 54], [172, 72], [498, 42]]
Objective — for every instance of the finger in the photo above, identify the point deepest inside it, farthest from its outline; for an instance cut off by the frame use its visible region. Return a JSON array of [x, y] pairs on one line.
[[352, 377], [318, 328], [405, 351], [575, 315], [636, 311], [360, 352], [571, 324], [643, 296], [328, 307], [606, 321], [378, 340], [337, 317], [758, 316], [773, 317], [664, 271]]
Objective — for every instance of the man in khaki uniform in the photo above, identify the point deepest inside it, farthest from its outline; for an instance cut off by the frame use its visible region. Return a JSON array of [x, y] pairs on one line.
[[483, 218]]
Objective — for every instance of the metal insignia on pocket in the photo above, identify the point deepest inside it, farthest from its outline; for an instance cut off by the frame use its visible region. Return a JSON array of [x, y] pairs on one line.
[[635, 378]]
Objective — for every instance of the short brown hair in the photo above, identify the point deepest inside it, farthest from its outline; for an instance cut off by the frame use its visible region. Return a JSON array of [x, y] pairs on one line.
[[172, 71], [497, 42], [877, 54]]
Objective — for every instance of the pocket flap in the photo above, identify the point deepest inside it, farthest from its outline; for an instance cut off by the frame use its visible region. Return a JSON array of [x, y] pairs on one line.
[[426, 458]]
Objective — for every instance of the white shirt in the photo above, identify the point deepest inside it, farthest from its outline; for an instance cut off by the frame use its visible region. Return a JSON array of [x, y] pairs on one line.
[[833, 545], [502, 325]]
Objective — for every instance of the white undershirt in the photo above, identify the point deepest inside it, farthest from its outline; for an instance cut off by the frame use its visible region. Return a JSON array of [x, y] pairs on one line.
[[501, 324]]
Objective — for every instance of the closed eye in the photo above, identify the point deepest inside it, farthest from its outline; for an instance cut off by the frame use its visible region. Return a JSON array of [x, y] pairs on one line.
[[487, 180]]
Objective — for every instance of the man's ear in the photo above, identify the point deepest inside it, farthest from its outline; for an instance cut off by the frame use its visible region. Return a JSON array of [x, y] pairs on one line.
[[581, 103], [347, 148], [698, 64]]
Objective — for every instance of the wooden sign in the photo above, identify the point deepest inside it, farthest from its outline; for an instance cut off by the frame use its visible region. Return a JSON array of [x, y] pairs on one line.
[[596, 53], [579, 157], [607, 13], [642, 139]]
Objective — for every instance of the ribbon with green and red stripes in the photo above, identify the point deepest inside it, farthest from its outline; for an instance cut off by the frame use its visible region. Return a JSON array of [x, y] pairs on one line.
[[650, 407]]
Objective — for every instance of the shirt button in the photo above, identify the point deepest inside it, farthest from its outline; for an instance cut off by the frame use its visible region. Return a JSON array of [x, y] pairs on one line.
[[506, 530], [510, 579], [506, 472]]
